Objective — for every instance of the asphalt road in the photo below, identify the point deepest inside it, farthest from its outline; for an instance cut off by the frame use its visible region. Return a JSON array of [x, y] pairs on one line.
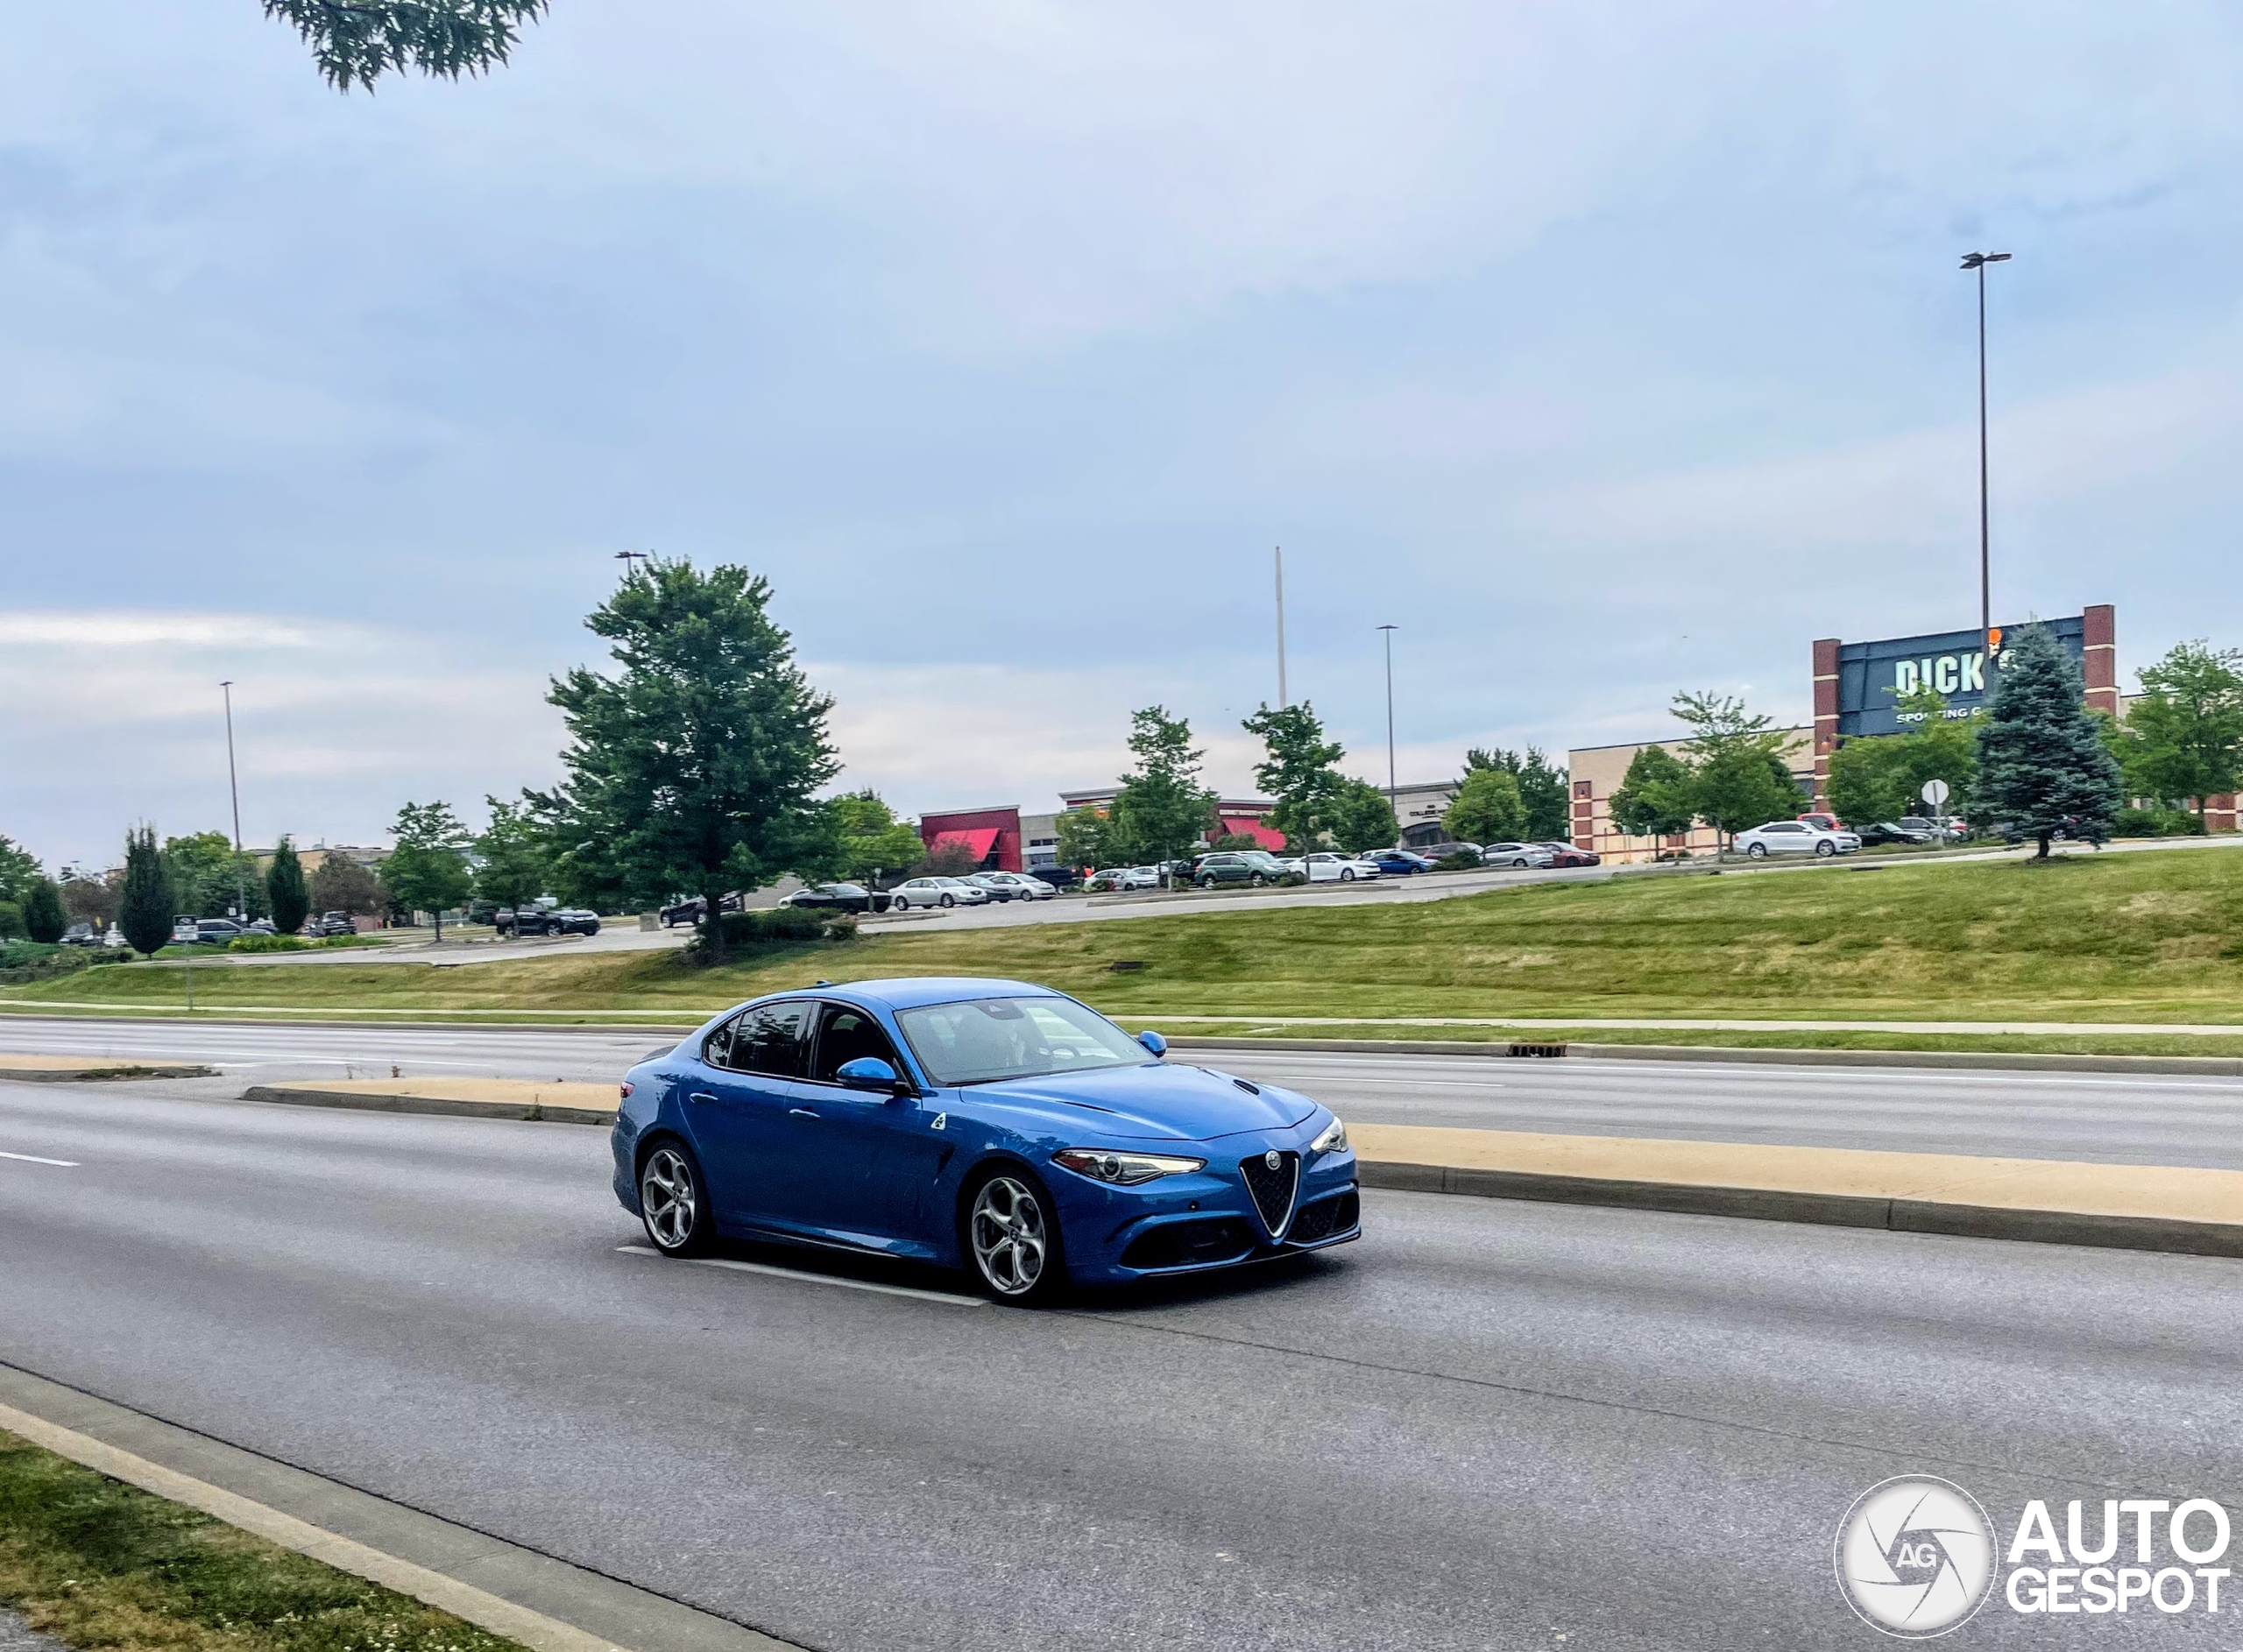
[[1490, 1424], [2085, 1116]]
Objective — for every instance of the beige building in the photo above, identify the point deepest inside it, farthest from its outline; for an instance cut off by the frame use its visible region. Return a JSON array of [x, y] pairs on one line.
[[1596, 772]]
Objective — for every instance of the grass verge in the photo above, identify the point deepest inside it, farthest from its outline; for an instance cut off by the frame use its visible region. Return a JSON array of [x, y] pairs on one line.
[[2041, 1044], [101, 1564]]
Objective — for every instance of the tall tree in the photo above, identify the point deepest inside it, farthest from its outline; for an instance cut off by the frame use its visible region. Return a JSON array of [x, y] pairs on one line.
[[874, 843], [342, 885], [89, 896], [1362, 817], [1738, 778], [1162, 808], [1086, 838], [356, 42], [284, 890], [2184, 736], [19, 870], [1487, 808], [1881, 777], [517, 862], [695, 769], [43, 919], [429, 870], [147, 904], [2041, 761], [1299, 771], [1654, 799], [1544, 789]]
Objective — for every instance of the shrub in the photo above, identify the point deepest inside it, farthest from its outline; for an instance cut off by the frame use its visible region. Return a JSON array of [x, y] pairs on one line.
[[776, 926], [1462, 860], [2156, 822], [268, 944]]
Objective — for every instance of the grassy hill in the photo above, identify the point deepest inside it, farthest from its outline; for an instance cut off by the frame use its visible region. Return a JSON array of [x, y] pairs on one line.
[[2146, 936]]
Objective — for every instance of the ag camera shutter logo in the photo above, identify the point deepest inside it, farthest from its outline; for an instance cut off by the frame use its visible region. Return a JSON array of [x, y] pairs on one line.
[[1915, 1556]]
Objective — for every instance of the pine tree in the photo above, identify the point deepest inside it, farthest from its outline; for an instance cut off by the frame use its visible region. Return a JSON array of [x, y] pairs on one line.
[[144, 909], [356, 42], [2041, 761], [284, 888], [43, 917]]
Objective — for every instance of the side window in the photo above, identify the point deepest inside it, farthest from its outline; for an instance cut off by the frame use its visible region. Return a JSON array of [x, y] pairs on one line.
[[845, 1035], [772, 1038]]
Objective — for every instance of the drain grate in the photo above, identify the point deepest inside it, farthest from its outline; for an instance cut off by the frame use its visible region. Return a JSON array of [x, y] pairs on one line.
[[1537, 1050]]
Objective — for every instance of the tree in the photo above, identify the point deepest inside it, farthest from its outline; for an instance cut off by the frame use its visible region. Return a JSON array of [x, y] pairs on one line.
[[2184, 736], [43, 919], [1738, 777], [1162, 809], [91, 897], [874, 842], [19, 870], [1299, 771], [1487, 809], [1362, 817], [1881, 777], [1088, 838], [147, 903], [2040, 761], [1655, 799], [517, 864], [355, 42], [946, 857], [342, 885], [209, 876], [694, 770], [1544, 789], [284, 888], [429, 870]]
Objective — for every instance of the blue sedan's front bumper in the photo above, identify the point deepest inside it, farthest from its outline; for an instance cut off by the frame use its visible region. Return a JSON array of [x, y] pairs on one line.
[[1208, 1218]]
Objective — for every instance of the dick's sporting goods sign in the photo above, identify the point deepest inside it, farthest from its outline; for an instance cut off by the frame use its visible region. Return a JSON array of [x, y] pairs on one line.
[[1873, 677]]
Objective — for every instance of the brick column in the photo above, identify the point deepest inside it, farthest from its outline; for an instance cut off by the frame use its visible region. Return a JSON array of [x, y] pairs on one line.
[[2101, 623], [1826, 715]]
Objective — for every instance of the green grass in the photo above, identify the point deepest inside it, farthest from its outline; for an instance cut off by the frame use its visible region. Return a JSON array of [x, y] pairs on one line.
[[99, 1564], [2153, 937]]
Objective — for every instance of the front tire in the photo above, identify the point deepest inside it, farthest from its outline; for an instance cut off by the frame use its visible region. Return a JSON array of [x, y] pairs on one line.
[[1824, 849], [1257, 880], [950, 900], [1012, 1238], [1346, 874], [1756, 851], [674, 1201]]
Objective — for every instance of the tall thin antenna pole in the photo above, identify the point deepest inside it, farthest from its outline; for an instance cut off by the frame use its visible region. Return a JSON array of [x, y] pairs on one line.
[[1391, 787], [1284, 699], [1985, 530], [234, 788]]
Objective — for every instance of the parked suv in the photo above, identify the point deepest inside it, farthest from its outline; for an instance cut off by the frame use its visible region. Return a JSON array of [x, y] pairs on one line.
[[1253, 867], [1796, 837]]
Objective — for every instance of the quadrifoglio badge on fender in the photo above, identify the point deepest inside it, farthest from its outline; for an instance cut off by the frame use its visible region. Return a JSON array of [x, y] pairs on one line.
[[1917, 1556]]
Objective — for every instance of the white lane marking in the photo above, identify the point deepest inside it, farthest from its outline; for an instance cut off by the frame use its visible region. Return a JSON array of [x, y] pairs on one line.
[[815, 1279], [28, 1158]]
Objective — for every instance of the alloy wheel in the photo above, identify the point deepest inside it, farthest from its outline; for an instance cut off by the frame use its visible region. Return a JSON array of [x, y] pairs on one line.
[[1010, 1245], [670, 1199], [950, 900]]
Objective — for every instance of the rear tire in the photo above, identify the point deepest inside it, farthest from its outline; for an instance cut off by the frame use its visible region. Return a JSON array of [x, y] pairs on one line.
[[1257, 880], [1756, 851], [674, 1200], [1824, 849]]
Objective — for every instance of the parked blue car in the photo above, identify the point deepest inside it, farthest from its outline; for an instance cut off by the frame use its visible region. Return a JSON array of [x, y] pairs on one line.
[[989, 1126], [1396, 863]]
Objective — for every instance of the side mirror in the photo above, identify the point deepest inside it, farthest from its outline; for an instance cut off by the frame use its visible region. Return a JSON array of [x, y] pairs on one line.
[[1153, 1042], [870, 1072]]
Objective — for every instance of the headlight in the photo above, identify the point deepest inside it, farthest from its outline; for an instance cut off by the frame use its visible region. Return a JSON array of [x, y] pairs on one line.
[[1335, 1139], [1123, 1169]]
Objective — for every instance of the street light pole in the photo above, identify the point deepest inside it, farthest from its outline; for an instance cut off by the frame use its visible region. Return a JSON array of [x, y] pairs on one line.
[[1979, 261], [1390, 789], [1284, 699], [234, 788], [631, 559]]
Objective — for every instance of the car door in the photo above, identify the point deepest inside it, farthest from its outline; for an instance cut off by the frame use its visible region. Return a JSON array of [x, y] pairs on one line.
[[750, 1112], [880, 1152]]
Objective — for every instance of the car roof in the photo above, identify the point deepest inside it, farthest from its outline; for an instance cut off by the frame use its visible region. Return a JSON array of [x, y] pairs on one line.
[[914, 992]]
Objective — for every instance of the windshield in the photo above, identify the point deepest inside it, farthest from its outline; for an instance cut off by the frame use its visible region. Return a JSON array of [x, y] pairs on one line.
[[980, 1039]]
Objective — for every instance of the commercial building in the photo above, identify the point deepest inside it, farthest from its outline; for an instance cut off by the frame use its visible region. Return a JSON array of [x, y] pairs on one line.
[[1003, 839], [1597, 771]]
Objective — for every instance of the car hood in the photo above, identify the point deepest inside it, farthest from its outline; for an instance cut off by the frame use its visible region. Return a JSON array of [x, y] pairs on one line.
[[1161, 1099]]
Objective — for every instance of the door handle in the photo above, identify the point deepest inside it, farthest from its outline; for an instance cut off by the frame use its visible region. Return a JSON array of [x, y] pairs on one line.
[[700, 1095], [801, 1112]]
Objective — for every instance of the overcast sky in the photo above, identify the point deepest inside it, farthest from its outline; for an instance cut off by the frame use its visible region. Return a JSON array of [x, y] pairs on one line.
[[1607, 350]]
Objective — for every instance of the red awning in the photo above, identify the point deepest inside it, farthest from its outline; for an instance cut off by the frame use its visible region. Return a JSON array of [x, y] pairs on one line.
[[1269, 836], [978, 842]]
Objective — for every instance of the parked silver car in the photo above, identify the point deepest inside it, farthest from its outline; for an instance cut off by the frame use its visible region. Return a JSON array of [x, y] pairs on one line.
[[1517, 854], [937, 892], [1796, 837], [1013, 886]]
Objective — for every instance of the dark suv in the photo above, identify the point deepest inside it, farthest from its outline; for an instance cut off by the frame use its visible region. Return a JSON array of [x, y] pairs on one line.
[[1253, 867]]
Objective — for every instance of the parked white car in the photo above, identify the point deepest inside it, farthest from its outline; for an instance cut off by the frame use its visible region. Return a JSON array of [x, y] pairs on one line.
[[1515, 855], [1796, 837], [1013, 886], [937, 892], [1326, 867]]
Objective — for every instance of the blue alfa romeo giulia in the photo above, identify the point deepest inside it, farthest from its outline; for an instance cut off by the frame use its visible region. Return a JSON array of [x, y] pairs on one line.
[[990, 1126]]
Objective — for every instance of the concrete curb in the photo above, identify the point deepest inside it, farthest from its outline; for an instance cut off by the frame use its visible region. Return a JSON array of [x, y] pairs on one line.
[[1833, 1209], [2021, 1061], [88, 1075], [366, 1101]]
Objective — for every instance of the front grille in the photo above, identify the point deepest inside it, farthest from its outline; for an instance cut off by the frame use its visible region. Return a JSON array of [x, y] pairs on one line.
[[1273, 1190], [1325, 1218], [1182, 1244]]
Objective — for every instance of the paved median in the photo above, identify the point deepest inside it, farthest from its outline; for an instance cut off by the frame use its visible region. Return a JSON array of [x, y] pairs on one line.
[[63, 1070], [2125, 1206]]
